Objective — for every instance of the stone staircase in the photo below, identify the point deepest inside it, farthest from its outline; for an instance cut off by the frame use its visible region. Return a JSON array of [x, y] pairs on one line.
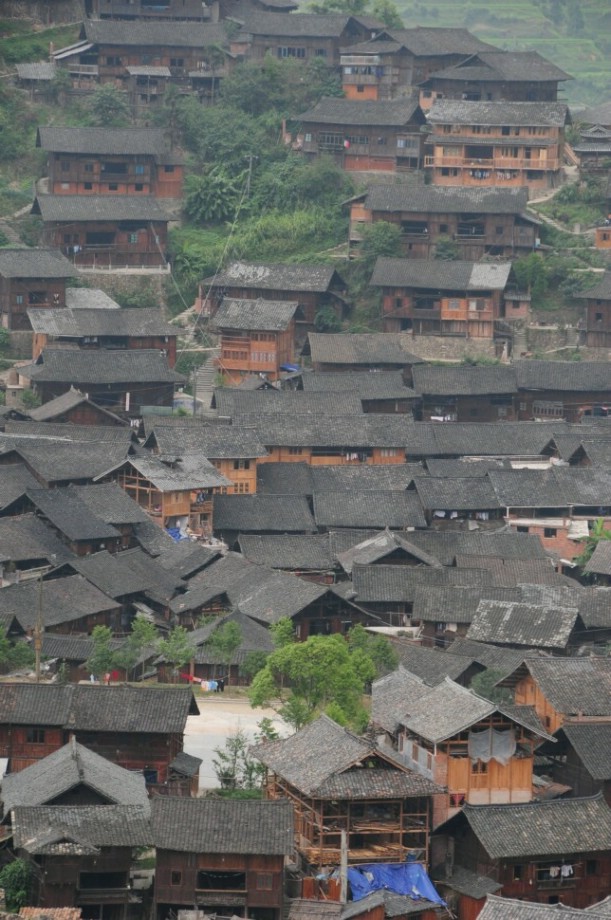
[[206, 378]]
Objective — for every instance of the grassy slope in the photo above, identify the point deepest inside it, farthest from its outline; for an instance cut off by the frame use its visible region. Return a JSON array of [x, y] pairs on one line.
[[520, 25]]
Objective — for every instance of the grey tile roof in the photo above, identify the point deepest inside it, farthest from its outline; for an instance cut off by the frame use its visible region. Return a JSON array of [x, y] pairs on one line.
[[574, 685], [391, 477], [43, 70], [460, 469], [69, 400], [491, 656], [302, 25], [554, 828], [189, 473], [36, 433], [368, 385], [265, 276], [270, 315], [261, 513], [379, 546], [444, 711], [375, 784], [344, 432], [331, 110], [600, 560], [60, 461], [506, 66], [470, 883], [431, 665], [422, 274], [499, 908], [395, 905], [600, 291], [81, 322], [398, 510], [304, 909], [469, 439], [510, 623], [298, 552], [245, 405], [71, 515], [459, 112], [591, 742], [429, 199], [111, 573], [457, 602], [185, 764], [566, 376], [223, 826], [284, 478], [103, 141], [14, 483], [67, 768], [72, 208], [45, 830], [34, 263], [185, 558], [315, 761], [399, 583], [110, 503], [215, 442], [391, 695], [368, 348], [162, 584], [27, 537], [153, 538], [82, 367], [508, 544], [89, 299], [176, 34], [425, 41], [64, 600], [71, 648], [457, 494], [464, 381], [513, 571]]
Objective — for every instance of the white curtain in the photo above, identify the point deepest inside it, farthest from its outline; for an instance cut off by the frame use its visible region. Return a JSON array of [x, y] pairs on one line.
[[492, 745]]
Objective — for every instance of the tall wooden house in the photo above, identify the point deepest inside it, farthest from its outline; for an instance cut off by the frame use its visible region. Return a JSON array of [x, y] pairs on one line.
[[463, 394], [128, 10], [443, 298], [257, 337], [107, 48], [482, 753], [134, 727], [496, 143], [119, 380], [369, 135], [74, 408], [493, 76], [315, 288], [301, 36], [393, 61], [596, 323], [563, 390], [110, 231], [549, 852], [219, 855], [339, 782], [111, 161], [82, 854], [479, 221], [31, 278]]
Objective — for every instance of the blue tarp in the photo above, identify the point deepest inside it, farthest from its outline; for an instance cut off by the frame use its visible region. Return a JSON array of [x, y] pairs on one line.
[[403, 878]]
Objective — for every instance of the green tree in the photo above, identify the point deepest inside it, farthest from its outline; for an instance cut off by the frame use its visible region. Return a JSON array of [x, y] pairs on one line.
[[446, 250], [381, 239], [320, 671], [283, 632], [101, 660], [253, 663], [224, 642], [16, 879], [15, 655], [143, 634], [108, 107], [484, 684], [30, 399], [376, 647], [212, 197], [177, 649], [388, 12], [531, 276], [598, 533], [234, 767]]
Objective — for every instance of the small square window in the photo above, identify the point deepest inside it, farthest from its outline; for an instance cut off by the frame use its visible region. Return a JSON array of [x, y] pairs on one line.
[[133, 237], [591, 867], [65, 165], [176, 877], [139, 169], [360, 89], [265, 881], [522, 529], [19, 299], [139, 186], [35, 736], [113, 187], [518, 873], [168, 169], [550, 532], [598, 317], [443, 228], [88, 186], [88, 167]]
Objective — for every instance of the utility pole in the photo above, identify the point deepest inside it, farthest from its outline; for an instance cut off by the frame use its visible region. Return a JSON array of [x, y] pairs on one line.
[[343, 868], [250, 159], [194, 391]]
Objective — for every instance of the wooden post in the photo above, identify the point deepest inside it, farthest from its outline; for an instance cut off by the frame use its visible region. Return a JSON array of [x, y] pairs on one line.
[[38, 631], [343, 868]]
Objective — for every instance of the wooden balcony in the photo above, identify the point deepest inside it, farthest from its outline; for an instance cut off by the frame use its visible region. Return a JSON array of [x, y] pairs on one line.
[[88, 70], [497, 163], [86, 896]]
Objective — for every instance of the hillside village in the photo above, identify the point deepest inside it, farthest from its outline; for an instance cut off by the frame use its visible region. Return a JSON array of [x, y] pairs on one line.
[[305, 329]]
